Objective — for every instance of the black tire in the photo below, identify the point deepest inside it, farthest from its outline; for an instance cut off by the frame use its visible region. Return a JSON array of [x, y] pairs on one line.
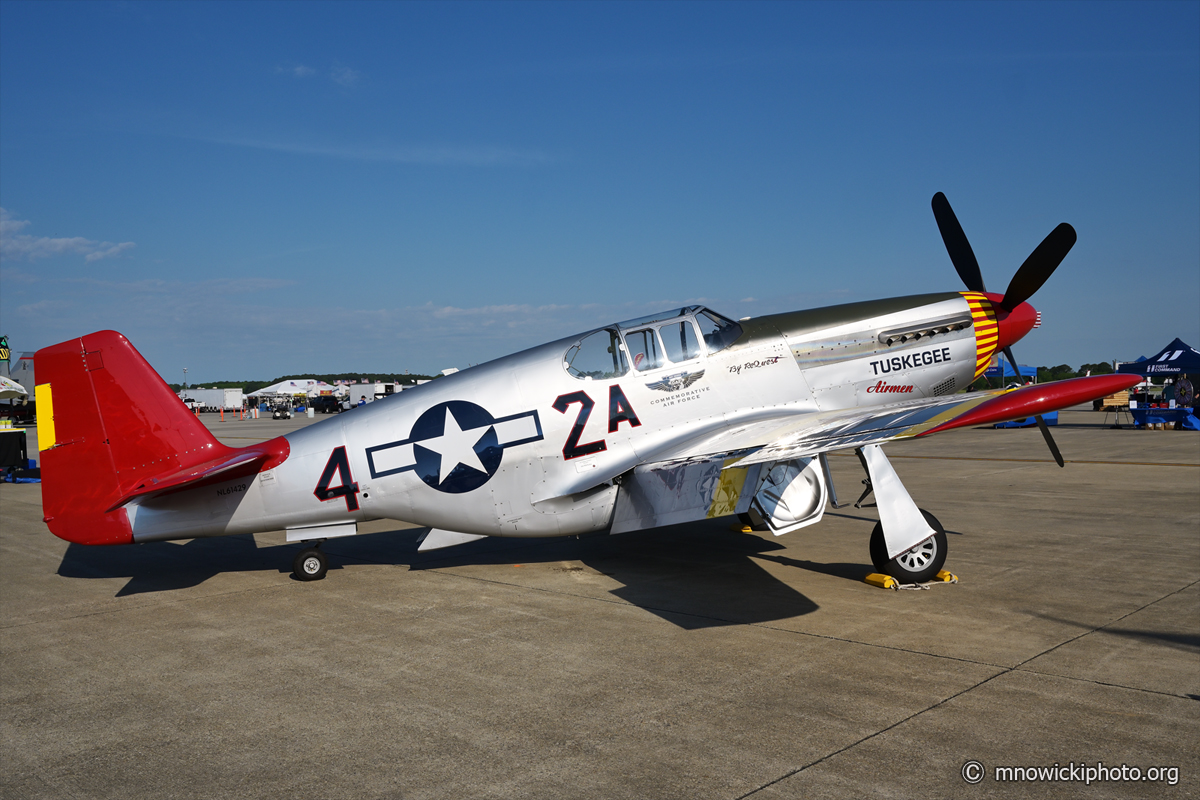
[[917, 565], [310, 564]]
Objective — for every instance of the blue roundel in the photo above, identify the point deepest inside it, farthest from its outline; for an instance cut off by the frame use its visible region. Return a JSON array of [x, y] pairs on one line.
[[452, 441]]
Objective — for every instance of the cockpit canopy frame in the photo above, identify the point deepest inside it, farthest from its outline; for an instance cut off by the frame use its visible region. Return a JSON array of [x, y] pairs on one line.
[[646, 344]]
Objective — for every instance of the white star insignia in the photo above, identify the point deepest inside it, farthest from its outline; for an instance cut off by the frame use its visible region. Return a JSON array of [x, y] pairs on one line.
[[456, 446]]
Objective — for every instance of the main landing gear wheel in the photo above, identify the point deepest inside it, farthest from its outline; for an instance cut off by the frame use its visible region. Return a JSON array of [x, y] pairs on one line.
[[310, 565], [917, 565]]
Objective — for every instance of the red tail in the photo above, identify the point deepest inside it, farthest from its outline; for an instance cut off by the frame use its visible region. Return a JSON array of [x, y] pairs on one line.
[[117, 432]]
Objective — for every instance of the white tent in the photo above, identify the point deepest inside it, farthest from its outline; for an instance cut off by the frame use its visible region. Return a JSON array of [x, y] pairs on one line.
[[11, 390], [307, 387]]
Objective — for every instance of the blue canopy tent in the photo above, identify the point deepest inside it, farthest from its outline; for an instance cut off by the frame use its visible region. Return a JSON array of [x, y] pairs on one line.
[[1177, 358], [1003, 365]]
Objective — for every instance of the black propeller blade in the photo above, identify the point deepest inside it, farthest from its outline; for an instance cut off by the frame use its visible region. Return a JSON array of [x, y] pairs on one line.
[[1058, 459], [961, 254], [1038, 267], [1029, 278], [1042, 426]]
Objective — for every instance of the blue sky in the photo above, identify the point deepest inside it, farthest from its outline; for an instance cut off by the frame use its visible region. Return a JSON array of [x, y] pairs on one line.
[[250, 190]]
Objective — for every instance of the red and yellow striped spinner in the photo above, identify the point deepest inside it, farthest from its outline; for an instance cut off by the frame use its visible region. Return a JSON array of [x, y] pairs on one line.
[[987, 329]]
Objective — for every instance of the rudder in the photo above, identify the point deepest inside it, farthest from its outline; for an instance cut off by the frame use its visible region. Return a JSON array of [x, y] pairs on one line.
[[112, 423]]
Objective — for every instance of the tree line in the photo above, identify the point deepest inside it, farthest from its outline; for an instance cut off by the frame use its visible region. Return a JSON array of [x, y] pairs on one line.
[[250, 387], [1047, 374]]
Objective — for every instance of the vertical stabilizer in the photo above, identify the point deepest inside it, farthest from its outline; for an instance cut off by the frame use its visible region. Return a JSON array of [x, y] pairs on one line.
[[108, 425]]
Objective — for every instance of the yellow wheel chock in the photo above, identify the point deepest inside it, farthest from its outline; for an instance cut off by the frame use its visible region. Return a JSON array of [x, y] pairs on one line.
[[888, 582]]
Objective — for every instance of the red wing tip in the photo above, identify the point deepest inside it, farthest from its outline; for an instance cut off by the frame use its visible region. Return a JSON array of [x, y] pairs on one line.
[[1028, 401]]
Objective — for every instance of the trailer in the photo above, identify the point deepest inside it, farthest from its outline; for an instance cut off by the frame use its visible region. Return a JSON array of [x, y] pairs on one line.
[[214, 399], [373, 391]]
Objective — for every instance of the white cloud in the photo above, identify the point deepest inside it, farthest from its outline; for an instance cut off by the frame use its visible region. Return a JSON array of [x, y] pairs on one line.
[[485, 155], [17, 246], [181, 289], [10, 276], [43, 307], [8, 225], [296, 71], [343, 75], [161, 316], [110, 250]]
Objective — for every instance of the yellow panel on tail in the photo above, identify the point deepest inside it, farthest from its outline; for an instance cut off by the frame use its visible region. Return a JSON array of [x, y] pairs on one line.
[[45, 416]]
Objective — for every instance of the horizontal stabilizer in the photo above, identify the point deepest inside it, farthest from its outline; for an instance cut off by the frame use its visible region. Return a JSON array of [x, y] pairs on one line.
[[246, 461]]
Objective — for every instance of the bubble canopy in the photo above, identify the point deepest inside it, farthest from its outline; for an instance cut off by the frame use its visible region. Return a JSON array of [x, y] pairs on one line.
[[650, 342], [662, 316]]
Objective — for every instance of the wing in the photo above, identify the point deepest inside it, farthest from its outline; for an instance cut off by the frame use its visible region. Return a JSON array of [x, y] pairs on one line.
[[762, 436], [857, 427]]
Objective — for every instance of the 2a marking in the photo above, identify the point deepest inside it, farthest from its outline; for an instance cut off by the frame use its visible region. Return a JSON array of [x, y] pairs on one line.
[[619, 410], [573, 449]]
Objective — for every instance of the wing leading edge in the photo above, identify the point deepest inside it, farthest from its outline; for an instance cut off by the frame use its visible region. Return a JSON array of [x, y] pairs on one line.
[[787, 434], [853, 428], [920, 417]]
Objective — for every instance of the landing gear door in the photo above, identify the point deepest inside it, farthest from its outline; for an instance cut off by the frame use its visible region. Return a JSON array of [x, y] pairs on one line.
[[792, 495]]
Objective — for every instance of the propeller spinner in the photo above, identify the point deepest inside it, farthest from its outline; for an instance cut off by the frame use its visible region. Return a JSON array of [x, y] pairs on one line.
[[1028, 279]]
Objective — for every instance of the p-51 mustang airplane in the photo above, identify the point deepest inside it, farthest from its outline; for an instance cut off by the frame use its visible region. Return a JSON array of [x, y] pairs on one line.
[[670, 418]]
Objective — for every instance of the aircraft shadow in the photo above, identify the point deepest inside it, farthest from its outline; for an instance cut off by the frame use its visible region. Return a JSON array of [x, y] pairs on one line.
[[698, 575], [166, 566], [695, 576]]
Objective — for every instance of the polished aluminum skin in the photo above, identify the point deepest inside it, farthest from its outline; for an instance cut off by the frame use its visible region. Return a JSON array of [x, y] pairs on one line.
[[649, 422]]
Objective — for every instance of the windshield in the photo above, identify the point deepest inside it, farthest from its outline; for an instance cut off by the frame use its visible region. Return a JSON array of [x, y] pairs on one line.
[[597, 356], [718, 332]]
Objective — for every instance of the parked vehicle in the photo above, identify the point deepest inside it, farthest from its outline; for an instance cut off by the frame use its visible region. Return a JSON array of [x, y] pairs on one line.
[[217, 399], [281, 408], [326, 404]]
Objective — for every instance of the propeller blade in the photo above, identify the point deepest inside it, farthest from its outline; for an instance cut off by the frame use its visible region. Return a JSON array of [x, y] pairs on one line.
[[1012, 360], [1042, 426], [961, 254], [1039, 266], [1049, 440]]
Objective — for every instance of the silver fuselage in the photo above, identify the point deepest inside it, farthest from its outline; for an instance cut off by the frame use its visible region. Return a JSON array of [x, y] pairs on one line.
[[538, 436]]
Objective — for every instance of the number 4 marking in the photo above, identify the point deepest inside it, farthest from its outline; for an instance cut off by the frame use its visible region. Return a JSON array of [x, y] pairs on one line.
[[339, 463]]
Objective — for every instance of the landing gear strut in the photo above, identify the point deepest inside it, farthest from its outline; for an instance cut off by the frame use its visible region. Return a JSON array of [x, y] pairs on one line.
[[917, 564], [311, 564]]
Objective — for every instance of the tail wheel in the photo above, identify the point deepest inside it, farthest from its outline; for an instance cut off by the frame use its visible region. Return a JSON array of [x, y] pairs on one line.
[[917, 564], [310, 564]]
